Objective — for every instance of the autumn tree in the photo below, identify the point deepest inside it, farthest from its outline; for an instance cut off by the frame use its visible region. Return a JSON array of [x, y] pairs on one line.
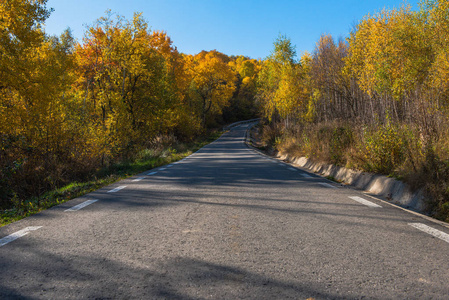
[[178, 75], [212, 82], [127, 80], [436, 16], [68, 108], [242, 105], [394, 58], [283, 82], [34, 100]]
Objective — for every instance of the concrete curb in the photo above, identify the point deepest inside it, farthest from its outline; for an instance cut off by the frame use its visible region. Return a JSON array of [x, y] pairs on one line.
[[393, 190], [398, 194]]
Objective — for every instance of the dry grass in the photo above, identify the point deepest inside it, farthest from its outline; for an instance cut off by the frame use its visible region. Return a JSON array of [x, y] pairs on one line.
[[397, 150]]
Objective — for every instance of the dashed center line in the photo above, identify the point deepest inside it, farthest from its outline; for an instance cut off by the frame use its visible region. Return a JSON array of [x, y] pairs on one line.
[[162, 169], [169, 166], [152, 173], [139, 179], [432, 231], [81, 205], [365, 202], [14, 236], [327, 185], [117, 189]]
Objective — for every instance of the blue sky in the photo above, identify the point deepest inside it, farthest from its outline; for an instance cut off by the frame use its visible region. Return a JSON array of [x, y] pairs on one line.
[[234, 27]]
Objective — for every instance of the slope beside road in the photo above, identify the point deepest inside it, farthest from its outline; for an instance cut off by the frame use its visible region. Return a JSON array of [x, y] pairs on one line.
[[224, 223]]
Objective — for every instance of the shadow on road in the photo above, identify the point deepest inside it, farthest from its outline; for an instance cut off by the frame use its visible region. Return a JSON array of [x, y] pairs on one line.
[[91, 277]]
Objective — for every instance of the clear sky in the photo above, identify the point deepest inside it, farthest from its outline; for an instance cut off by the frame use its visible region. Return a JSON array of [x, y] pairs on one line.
[[234, 27]]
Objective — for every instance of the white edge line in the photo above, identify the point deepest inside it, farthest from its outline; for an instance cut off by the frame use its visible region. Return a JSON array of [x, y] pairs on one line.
[[292, 169], [14, 236], [306, 175], [117, 189], [327, 185], [82, 205], [432, 231], [365, 202], [421, 215]]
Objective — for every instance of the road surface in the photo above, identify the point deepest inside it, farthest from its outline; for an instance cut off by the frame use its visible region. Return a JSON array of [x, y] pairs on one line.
[[224, 223]]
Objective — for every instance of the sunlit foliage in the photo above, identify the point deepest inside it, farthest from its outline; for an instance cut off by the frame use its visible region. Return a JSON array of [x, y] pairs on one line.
[[378, 101], [68, 108]]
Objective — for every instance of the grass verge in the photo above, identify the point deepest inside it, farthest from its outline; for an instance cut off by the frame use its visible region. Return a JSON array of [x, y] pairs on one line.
[[145, 160]]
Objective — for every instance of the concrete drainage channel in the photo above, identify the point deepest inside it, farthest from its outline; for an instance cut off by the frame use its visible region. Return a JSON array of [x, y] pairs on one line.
[[388, 190]]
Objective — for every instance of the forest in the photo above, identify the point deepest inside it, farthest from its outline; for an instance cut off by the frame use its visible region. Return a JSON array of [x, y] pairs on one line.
[[377, 101], [69, 109]]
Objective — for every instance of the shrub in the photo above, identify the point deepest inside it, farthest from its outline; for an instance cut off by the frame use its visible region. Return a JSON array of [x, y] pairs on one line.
[[341, 140], [433, 176], [270, 135], [384, 149]]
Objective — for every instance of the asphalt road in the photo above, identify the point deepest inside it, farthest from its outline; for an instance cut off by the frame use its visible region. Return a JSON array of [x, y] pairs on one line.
[[225, 223]]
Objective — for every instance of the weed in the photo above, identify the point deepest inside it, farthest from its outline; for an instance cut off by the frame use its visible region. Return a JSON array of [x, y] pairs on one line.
[[331, 178]]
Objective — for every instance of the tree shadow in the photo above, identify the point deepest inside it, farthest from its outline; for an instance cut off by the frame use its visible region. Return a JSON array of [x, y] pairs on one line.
[[90, 277]]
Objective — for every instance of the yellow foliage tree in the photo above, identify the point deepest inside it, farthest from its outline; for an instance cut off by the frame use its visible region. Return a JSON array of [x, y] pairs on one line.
[[389, 52], [284, 82], [127, 80], [212, 83]]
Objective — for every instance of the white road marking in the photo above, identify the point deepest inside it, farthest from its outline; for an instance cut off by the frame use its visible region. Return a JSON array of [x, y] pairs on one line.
[[14, 236], [292, 169], [432, 231], [162, 169], [306, 175], [139, 179], [81, 205], [169, 166], [152, 173], [327, 185], [365, 202], [117, 189]]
